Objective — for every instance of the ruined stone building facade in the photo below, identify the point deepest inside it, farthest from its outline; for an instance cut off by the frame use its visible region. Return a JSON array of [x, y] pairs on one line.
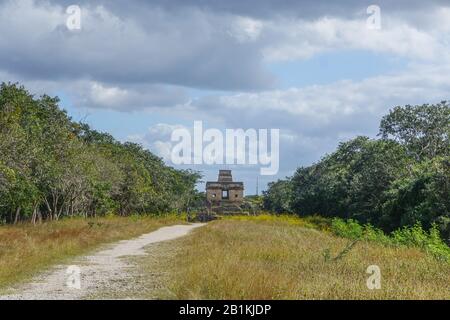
[[224, 195]]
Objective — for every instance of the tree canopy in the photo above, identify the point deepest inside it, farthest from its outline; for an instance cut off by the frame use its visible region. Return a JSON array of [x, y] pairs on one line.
[[51, 166], [397, 180]]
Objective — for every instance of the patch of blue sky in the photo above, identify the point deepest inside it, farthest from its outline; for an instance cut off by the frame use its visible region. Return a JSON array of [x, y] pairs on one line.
[[329, 67]]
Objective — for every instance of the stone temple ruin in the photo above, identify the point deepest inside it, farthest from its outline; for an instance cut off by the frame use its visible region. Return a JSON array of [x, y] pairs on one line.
[[224, 196]]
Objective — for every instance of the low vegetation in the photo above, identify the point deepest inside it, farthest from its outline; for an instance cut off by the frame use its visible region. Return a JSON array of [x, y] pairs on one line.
[[429, 241], [26, 249], [271, 257]]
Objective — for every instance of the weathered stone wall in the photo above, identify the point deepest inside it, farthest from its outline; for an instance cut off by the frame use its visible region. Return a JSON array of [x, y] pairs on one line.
[[213, 194], [236, 195]]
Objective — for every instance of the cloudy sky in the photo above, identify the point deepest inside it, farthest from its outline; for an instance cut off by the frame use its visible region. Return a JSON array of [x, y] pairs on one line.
[[314, 69]]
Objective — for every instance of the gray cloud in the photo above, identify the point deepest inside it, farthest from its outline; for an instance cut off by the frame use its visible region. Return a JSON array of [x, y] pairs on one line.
[[190, 48], [219, 45], [267, 9], [131, 56]]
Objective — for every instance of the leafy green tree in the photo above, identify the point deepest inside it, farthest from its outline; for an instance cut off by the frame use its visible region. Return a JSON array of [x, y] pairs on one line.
[[51, 167], [422, 196], [399, 180], [350, 182], [277, 197], [424, 130]]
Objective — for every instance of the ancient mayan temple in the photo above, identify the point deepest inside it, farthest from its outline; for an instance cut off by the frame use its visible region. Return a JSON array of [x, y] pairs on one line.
[[224, 196]]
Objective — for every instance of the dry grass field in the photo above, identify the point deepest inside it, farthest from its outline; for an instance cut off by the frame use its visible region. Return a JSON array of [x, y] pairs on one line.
[[258, 258], [263, 257], [26, 249]]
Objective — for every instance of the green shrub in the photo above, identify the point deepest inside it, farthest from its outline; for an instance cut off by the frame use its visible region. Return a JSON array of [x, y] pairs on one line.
[[346, 229], [371, 233], [415, 236], [430, 241]]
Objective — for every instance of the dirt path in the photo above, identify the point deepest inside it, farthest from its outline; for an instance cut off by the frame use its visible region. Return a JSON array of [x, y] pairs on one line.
[[101, 271]]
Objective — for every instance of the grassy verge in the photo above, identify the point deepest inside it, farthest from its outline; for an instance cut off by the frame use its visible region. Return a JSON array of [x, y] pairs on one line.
[[26, 249], [286, 258]]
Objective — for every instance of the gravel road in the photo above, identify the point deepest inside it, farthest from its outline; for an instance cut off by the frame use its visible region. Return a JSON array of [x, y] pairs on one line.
[[102, 270]]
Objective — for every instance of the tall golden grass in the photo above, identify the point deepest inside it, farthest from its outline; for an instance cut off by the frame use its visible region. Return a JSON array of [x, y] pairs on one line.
[[26, 249], [285, 258]]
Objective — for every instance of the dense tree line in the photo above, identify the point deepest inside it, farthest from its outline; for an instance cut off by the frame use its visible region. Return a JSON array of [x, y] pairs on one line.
[[51, 167], [397, 180]]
